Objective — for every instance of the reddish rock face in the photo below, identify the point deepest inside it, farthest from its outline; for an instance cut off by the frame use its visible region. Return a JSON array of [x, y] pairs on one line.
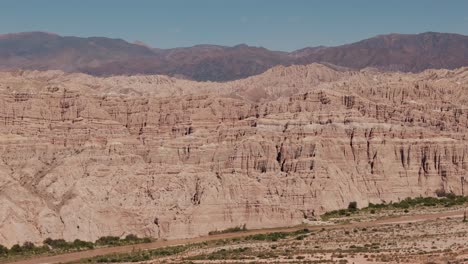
[[83, 157]]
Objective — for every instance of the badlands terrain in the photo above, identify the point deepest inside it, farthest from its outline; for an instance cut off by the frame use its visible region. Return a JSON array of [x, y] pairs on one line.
[[83, 157]]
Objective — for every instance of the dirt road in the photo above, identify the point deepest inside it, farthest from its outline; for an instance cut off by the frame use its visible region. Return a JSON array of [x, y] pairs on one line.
[[75, 256]]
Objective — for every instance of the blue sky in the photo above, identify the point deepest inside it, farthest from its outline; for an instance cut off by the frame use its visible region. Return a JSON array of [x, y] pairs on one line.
[[279, 25]]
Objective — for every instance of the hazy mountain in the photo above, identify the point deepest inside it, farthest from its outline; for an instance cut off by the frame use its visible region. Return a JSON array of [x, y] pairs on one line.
[[105, 56], [201, 62], [411, 53], [41, 51]]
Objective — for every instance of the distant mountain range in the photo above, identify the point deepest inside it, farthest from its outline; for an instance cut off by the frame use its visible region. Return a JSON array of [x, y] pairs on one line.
[[105, 56]]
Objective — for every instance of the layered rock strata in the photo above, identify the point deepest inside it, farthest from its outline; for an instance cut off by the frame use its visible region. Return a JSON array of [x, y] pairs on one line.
[[83, 157]]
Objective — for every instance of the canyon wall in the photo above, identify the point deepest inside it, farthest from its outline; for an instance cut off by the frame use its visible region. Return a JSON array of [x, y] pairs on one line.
[[83, 157]]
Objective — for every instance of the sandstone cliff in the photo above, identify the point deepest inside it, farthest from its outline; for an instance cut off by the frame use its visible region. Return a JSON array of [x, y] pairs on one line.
[[83, 157]]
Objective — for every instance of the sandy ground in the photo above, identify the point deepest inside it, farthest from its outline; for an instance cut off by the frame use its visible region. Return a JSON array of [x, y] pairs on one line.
[[389, 228], [440, 238]]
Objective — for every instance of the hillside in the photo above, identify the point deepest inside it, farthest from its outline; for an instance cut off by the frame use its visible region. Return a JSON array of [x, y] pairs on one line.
[[84, 157], [100, 56]]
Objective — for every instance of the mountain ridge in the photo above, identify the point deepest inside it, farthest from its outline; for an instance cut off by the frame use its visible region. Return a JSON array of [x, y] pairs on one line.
[[102, 56]]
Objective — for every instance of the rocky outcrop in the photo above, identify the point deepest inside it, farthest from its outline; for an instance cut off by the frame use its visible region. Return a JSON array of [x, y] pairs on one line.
[[83, 157]]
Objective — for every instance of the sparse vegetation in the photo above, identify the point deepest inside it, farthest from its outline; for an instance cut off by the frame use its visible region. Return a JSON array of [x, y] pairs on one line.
[[222, 254], [296, 245], [268, 237], [58, 246], [216, 255], [136, 256], [26, 249], [3, 250], [277, 235], [447, 200], [229, 230], [108, 241], [337, 245]]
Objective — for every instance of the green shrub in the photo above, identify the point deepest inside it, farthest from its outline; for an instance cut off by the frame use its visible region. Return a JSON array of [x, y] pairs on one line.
[[16, 249], [229, 230], [3, 250], [137, 256], [445, 199], [268, 237], [352, 206], [377, 206], [28, 246], [108, 240], [131, 237], [60, 245], [147, 240], [57, 243], [41, 250], [451, 196], [301, 231], [80, 244]]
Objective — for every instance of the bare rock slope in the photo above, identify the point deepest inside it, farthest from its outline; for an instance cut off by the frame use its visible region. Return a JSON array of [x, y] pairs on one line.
[[83, 157]]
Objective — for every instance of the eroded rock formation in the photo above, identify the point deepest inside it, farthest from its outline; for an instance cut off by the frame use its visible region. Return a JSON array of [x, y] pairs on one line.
[[83, 157]]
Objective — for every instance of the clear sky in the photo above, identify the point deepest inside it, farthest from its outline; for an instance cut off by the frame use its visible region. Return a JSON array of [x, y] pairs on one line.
[[279, 25]]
